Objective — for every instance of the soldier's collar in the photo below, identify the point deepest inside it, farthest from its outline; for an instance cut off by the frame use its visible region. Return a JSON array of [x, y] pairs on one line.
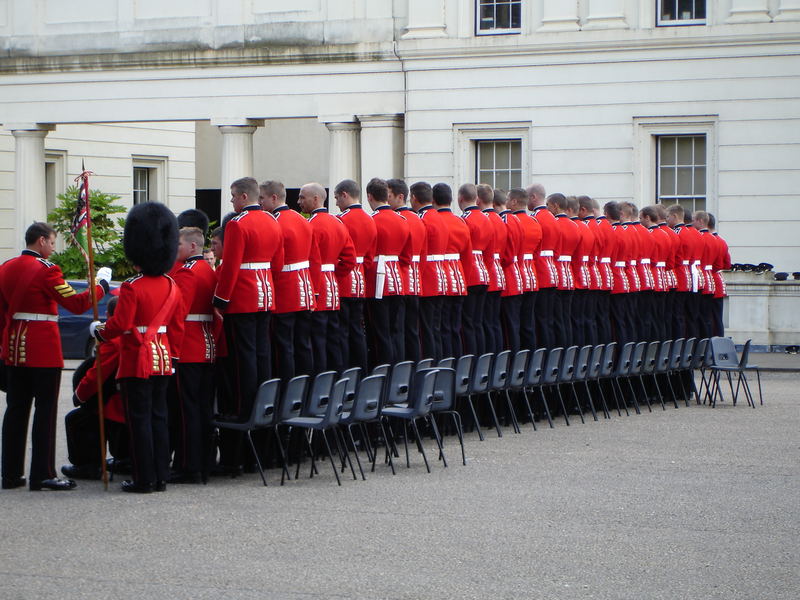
[[383, 207], [444, 209], [403, 208], [321, 209], [602, 217], [521, 210], [488, 210], [505, 211], [540, 207], [195, 257], [561, 214], [426, 207], [32, 253], [281, 208], [705, 230], [472, 207], [574, 218], [252, 207], [356, 205]]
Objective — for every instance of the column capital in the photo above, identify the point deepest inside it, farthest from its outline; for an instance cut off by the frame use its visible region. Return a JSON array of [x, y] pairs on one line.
[[342, 125], [236, 122], [384, 120], [30, 129]]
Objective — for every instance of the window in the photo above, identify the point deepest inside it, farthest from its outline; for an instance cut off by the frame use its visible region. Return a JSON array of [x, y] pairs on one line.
[[149, 179], [498, 16], [681, 174], [499, 163], [681, 12], [141, 185]]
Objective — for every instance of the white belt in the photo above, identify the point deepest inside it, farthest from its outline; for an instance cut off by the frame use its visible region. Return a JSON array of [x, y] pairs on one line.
[[685, 262], [452, 256], [661, 263], [544, 253], [195, 317], [296, 266], [585, 259], [435, 257], [327, 267], [496, 256], [415, 258], [359, 260], [633, 263], [645, 261], [24, 316], [697, 262], [564, 258], [707, 267], [143, 329], [515, 259], [605, 260], [477, 252], [254, 266], [619, 263], [527, 257], [387, 258]]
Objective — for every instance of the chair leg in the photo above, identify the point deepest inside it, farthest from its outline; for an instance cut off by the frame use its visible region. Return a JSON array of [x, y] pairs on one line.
[[578, 402], [644, 392], [606, 412], [494, 414], [285, 464], [528, 406], [475, 416], [355, 451], [546, 407], [330, 457], [405, 443], [563, 406], [758, 377], [669, 377], [438, 438], [633, 396], [658, 391], [388, 453], [589, 395], [419, 443], [512, 413], [344, 454], [258, 460], [460, 433]]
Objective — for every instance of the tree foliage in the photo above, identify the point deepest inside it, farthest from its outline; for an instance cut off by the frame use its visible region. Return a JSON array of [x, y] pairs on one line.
[[106, 235]]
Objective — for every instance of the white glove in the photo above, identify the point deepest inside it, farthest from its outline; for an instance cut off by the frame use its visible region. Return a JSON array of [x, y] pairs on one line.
[[93, 327], [104, 274]]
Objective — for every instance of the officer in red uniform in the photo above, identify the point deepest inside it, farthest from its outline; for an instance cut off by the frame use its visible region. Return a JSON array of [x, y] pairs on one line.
[[670, 280], [629, 214], [196, 352], [352, 287], [511, 298], [530, 244], [409, 311], [550, 317], [694, 309], [606, 245], [682, 249], [31, 287], [434, 281], [147, 318], [582, 310], [569, 239], [334, 259], [620, 307], [492, 326], [385, 279], [294, 291], [457, 260], [597, 317], [722, 262], [710, 250], [482, 239], [661, 243], [644, 268]]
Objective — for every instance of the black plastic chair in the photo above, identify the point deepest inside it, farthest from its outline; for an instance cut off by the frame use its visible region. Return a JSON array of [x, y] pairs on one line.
[[662, 369], [622, 371], [444, 398], [516, 380], [479, 385], [399, 383], [637, 364], [464, 366], [447, 363], [498, 382], [261, 417], [550, 377], [580, 375], [566, 375], [366, 408], [727, 361], [533, 379], [744, 364], [291, 406], [594, 368]]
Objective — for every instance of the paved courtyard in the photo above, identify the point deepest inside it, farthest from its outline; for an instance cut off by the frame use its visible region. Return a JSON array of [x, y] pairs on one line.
[[686, 503]]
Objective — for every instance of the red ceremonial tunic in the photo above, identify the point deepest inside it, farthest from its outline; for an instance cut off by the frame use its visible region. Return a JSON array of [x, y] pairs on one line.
[[695, 257], [434, 279], [145, 343], [619, 260], [645, 261], [721, 263], [412, 284], [581, 260], [293, 288], [596, 276], [546, 270], [30, 290], [632, 256], [607, 248], [253, 250], [481, 237], [661, 248], [673, 264], [509, 256], [335, 258], [458, 255], [393, 249], [570, 238], [108, 355], [531, 244], [497, 276], [710, 249], [683, 259], [362, 231], [197, 281]]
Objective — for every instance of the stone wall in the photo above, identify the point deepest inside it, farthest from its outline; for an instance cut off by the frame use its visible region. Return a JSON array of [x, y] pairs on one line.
[[762, 309]]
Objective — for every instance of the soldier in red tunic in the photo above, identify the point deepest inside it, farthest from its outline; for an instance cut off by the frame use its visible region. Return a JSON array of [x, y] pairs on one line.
[[531, 244], [147, 318], [549, 316], [31, 287], [722, 262], [493, 329], [481, 236], [568, 246], [511, 301]]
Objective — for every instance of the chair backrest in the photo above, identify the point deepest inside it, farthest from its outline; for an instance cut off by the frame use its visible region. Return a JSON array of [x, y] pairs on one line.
[[353, 376], [535, 368], [637, 358], [699, 353], [425, 363], [708, 357], [499, 374], [367, 404], [399, 383], [264, 407], [607, 364], [582, 363], [595, 362], [676, 354], [566, 371], [480, 376], [333, 411], [552, 366], [444, 390], [745, 355], [447, 363], [625, 360], [381, 370], [687, 353], [320, 394], [294, 397], [650, 357], [724, 352], [516, 372], [664, 357], [421, 399], [464, 367]]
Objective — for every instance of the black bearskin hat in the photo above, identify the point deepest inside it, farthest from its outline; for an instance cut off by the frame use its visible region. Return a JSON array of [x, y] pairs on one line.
[[193, 217], [151, 238]]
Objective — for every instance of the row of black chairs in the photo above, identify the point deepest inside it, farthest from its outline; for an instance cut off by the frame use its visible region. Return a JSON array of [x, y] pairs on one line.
[[352, 411]]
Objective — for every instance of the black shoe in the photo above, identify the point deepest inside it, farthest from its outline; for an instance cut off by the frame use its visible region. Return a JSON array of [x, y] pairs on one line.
[[161, 486], [13, 483], [122, 467], [54, 484], [184, 477], [81, 472], [135, 488], [226, 471]]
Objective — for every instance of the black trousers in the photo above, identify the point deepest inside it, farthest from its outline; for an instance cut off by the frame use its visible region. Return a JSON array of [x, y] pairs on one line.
[[291, 337], [621, 324], [452, 308], [578, 318], [326, 342], [694, 321], [678, 301], [249, 357], [492, 326], [707, 314], [145, 402], [194, 413], [26, 385], [647, 316], [662, 317], [510, 307], [527, 320], [83, 437], [353, 342], [563, 320], [472, 320], [546, 317], [385, 329], [601, 308], [430, 325], [412, 349], [719, 326]]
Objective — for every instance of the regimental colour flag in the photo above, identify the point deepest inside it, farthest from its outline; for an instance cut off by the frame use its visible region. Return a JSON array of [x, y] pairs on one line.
[[80, 221]]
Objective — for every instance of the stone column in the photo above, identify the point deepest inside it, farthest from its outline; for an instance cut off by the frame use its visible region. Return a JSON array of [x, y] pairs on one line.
[[345, 155], [237, 154], [382, 147], [29, 183], [560, 16], [789, 10], [425, 19], [606, 14], [748, 11]]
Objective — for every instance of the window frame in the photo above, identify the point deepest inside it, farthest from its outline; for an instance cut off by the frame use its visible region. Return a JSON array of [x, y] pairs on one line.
[[678, 22], [156, 178], [495, 170], [466, 136], [660, 165], [497, 30]]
